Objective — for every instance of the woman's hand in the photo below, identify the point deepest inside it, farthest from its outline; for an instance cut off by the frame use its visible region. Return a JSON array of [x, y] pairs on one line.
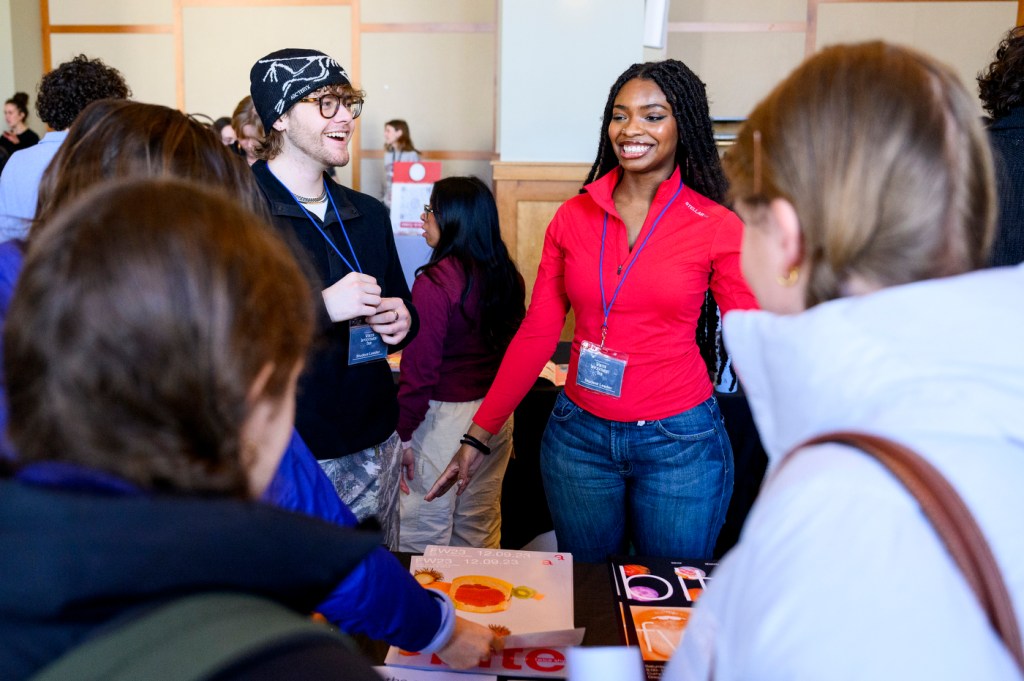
[[408, 466], [471, 644], [460, 469], [391, 320]]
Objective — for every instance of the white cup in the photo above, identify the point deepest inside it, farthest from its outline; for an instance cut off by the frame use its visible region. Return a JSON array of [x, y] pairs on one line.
[[621, 663]]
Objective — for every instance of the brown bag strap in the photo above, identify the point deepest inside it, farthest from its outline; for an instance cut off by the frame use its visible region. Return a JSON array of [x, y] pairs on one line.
[[953, 522]]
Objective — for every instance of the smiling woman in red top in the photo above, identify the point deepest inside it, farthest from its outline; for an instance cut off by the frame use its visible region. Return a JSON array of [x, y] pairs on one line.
[[635, 451]]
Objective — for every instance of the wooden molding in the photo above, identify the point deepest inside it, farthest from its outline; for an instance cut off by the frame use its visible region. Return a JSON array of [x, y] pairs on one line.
[[427, 27], [44, 15], [439, 155], [544, 172], [737, 27], [263, 3], [179, 54], [811, 37], [1020, 12], [111, 28], [355, 161]]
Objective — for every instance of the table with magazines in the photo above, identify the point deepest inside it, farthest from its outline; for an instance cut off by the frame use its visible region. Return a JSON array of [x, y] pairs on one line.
[[593, 602]]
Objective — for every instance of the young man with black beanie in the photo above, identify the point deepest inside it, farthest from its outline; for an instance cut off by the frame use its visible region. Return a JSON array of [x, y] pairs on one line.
[[347, 402]]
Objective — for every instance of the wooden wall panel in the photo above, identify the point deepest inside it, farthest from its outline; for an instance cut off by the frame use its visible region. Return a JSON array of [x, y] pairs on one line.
[[528, 195]]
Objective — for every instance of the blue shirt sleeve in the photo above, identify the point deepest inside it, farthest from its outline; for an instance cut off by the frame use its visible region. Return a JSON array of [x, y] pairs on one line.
[[379, 598]]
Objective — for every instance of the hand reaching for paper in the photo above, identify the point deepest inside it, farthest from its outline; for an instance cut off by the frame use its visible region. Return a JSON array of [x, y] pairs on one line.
[[470, 645]]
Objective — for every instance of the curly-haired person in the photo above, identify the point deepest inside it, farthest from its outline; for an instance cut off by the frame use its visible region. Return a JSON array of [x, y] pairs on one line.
[[62, 94], [1001, 87]]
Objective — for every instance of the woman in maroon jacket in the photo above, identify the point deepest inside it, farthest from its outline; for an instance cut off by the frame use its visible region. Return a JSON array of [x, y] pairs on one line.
[[471, 299]]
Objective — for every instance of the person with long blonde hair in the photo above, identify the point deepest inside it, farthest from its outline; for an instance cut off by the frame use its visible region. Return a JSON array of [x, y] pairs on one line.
[[865, 183]]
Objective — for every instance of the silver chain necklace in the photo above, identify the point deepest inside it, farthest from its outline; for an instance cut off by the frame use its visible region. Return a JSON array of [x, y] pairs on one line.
[[307, 200]]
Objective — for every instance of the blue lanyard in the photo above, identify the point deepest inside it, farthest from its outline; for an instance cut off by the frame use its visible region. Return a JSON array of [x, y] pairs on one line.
[[358, 267], [607, 306]]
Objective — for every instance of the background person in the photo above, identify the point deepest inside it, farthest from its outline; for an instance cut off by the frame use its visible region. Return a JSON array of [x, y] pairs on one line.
[[1002, 94], [635, 451], [398, 147], [838, 574], [222, 126], [17, 135], [140, 298], [471, 300], [62, 94], [248, 129]]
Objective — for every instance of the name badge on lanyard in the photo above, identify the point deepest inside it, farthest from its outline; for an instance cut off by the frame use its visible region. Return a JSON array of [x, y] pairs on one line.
[[601, 369], [364, 344]]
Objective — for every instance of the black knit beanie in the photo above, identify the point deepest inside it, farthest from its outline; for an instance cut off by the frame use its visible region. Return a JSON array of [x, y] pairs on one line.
[[283, 77]]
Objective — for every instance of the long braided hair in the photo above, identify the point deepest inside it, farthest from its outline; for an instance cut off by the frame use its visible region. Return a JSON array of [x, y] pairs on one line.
[[698, 161]]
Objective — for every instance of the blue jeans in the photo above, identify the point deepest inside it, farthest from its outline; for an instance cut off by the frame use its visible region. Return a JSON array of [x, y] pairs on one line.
[[663, 486]]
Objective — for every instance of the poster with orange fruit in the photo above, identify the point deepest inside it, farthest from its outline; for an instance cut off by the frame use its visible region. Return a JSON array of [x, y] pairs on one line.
[[654, 597], [524, 597]]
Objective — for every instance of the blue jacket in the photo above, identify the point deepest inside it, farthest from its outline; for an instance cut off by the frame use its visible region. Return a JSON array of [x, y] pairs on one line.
[[379, 598], [11, 257]]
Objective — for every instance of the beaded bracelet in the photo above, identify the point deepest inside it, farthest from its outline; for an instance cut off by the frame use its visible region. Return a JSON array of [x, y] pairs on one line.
[[468, 439]]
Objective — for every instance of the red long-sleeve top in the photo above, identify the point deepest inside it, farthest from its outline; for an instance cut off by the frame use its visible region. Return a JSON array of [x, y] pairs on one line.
[[654, 318]]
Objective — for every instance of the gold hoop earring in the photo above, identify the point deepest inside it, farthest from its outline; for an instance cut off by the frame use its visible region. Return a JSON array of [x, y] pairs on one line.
[[791, 278]]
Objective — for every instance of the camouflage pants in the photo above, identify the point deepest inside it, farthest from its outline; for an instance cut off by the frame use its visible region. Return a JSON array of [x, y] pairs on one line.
[[367, 481]]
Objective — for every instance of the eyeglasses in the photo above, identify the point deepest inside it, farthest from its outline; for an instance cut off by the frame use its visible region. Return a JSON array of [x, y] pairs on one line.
[[428, 209], [329, 104]]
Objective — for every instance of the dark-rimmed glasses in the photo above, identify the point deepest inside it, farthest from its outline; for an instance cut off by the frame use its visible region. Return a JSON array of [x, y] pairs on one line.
[[330, 103], [428, 209]]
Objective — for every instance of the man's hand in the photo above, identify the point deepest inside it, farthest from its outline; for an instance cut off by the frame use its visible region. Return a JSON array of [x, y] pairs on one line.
[[470, 645], [391, 320], [354, 295]]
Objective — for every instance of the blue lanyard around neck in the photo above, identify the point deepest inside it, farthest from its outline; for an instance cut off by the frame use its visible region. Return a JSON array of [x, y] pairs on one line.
[[607, 306], [344, 232]]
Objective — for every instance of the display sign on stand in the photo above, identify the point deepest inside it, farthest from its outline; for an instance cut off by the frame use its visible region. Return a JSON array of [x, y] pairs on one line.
[[411, 185]]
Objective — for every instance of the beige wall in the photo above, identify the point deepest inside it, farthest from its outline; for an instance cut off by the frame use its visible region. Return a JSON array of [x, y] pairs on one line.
[[741, 48], [559, 57], [431, 63], [437, 63], [217, 62], [963, 34]]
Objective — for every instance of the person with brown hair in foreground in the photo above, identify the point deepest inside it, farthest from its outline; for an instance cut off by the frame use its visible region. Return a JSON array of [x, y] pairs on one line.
[[151, 359]]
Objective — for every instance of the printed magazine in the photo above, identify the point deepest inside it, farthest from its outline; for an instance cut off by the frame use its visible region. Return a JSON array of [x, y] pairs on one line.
[[525, 597], [653, 601]]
